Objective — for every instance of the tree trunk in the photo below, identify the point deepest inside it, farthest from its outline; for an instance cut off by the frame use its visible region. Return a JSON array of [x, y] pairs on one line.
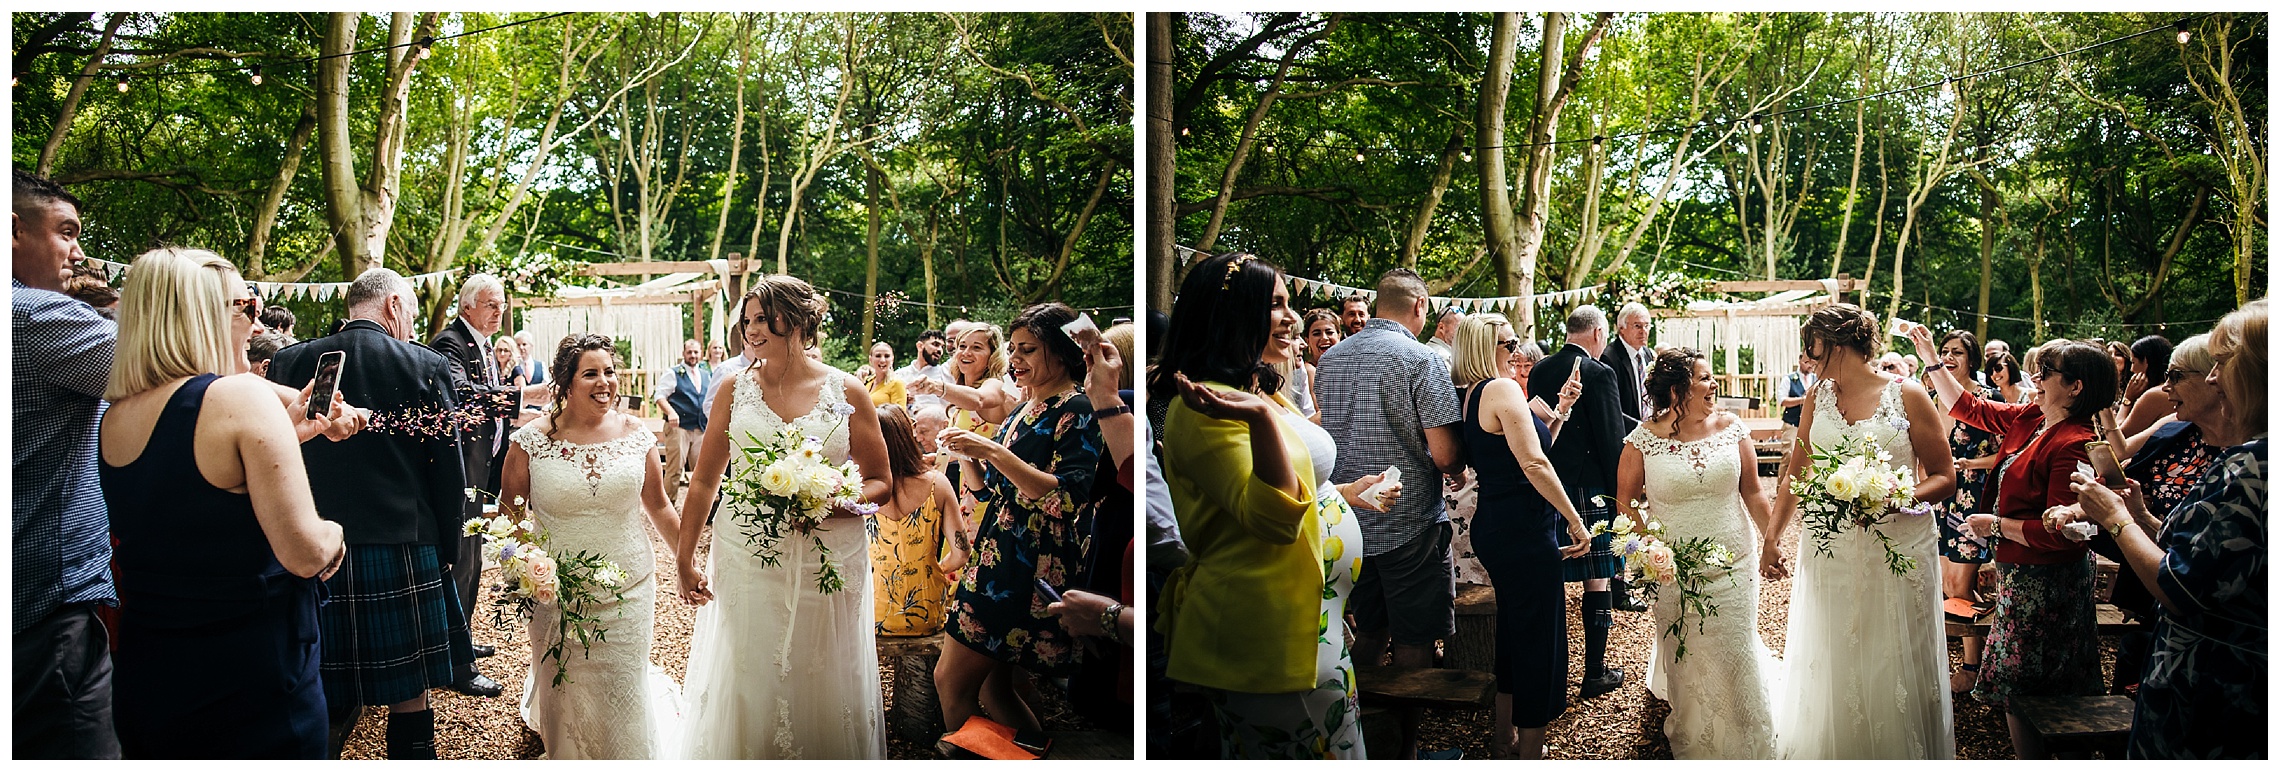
[[265, 219], [1497, 226], [1422, 222], [78, 91], [1852, 183], [736, 139], [344, 204], [1162, 230], [363, 210], [1250, 135], [1555, 84], [870, 245], [1989, 200]]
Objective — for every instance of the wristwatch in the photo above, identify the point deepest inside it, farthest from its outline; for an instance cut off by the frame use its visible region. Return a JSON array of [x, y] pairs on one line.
[[1109, 615], [1106, 413]]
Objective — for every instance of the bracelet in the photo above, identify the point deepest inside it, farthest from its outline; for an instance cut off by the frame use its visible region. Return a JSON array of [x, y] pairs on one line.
[[1106, 413], [1940, 366], [1108, 619], [1998, 529]]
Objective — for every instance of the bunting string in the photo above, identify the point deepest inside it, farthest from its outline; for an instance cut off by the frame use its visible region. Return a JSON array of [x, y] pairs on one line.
[[1510, 304], [294, 290]]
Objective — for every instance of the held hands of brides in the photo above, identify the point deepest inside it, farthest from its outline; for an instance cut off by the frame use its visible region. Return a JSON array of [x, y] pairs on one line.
[[1769, 561], [695, 589], [1352, 493]]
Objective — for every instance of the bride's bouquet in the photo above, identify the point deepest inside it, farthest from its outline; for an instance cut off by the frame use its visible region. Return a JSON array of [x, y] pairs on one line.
[[571, 583], [1853, 485], [787, 486], [1687, 564]]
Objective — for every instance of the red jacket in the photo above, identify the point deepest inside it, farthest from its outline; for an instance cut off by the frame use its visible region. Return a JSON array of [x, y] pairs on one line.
[[2035, 482]]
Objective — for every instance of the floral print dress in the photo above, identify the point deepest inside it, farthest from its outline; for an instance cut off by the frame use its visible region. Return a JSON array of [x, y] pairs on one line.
[[1021, 540], [908, 586], [1967, 442], [2206, 689]]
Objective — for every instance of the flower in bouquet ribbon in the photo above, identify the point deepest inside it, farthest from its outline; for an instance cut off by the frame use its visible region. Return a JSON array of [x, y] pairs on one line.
[[1844, 483], [473, 527], [1623, 524], [819, 482], [1878, 486], [507, 551], [779, 479]]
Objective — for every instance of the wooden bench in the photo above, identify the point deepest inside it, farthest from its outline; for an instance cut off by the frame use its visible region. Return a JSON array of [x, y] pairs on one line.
[[2078, 725], [2111, 621], [1425, 687], [1381, 732], [1088, 746], [916, 715]]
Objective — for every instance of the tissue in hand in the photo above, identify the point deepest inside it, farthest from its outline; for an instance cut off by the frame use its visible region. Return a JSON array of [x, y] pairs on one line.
[[2079, 531], [1375, 494]]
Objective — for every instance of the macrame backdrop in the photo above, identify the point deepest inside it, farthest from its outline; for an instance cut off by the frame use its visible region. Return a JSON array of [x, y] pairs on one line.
[[655, 330], [1773, 339]]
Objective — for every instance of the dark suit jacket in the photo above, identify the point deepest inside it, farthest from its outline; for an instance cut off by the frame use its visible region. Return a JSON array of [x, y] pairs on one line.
[[1617, 357], [383, 487], [459, 344], [1589, 446]]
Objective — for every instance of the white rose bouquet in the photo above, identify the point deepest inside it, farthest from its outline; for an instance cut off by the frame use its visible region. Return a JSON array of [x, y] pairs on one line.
[[1687, 564], [572, 583], [784, 484], [1854, 486]]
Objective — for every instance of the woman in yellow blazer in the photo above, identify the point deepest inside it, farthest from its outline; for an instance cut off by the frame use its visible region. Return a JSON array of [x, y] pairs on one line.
[[1257, 615]]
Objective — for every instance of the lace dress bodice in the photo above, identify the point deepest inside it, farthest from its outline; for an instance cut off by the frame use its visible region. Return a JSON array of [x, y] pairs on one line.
[[1694, 487], [1887, 427], [615, 703], [750, 414]]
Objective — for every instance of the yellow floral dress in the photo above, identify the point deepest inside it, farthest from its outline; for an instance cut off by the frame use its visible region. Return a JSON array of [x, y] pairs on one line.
[[908, 586]]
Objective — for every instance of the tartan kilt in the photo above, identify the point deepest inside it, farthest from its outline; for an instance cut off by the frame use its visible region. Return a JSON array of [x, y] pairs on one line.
[[394, 626], [1601, 562]]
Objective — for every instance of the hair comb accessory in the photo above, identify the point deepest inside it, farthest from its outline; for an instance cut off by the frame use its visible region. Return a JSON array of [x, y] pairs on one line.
[[1234, 266]]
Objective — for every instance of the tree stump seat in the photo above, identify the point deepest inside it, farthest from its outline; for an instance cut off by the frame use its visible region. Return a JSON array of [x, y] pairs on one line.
[[2075, 726], [2111, 621], [916, 715], [1425, 687], [1473, 647]]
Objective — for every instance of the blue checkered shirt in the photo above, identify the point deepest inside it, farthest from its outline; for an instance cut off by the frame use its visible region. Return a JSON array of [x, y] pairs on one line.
[[61, 358], [1377, 393]]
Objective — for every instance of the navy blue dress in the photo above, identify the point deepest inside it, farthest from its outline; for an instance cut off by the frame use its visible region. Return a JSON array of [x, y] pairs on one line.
[[217, 654], [1516, 535]]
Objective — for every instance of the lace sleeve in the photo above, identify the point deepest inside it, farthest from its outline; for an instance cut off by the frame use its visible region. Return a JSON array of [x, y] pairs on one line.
[[1645, 441], [532, 440]]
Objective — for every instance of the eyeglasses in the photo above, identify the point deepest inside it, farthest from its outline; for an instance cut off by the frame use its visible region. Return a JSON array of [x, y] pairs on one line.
[[250, 305], [2045, 374], [1510, 345], [2178, 374]]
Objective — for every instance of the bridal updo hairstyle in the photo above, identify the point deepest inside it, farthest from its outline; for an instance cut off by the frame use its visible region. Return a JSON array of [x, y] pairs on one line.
[[1219, 326], [1845, 325], [1043, 321], [1670, 377], [795, 307], [565, 368]]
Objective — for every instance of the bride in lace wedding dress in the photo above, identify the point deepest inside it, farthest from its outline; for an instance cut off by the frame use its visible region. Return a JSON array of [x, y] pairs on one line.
[[777, 668], [1698, 471], [1866, 653], [588, 477]]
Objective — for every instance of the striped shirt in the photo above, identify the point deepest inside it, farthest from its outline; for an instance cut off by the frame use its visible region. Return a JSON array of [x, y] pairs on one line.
[[61, 358], [1377, 392]]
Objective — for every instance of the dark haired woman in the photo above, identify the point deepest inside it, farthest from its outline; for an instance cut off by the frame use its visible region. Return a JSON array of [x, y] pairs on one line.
[[2004, 379], [2145, 390], [2044, 639], [1257, 615], [1696, 467], [1961, 553], [587, 476], [1038, 529], [917, 541], [1866, 653], [1516, 524], [780, 667]]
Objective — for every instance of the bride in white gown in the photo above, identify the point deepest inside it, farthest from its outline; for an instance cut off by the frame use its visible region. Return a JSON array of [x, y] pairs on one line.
[[1698, 470], [588, 486], [1867, 653], [778, 669]]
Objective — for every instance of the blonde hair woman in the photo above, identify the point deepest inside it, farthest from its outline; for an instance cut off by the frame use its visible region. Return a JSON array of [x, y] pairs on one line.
[[220, 549]]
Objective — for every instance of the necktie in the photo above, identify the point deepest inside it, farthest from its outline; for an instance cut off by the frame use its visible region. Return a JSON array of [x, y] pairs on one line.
[[490, 379]]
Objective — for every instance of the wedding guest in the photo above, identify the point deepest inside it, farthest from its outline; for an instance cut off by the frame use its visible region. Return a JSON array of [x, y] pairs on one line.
[[2147, 393], [464, 344], [926, 425], [1794, 387], [1102, 691], [1521, 513], [927, 357], [260, 349], [2124, 362], [2044, 638], [279, 321], [506, 355], [1586, 453], [2003, 380], [680, 398], [1630, 357], [879, 378], [2171, 462], [220, 549], [2206, 681], [917, 543], [1524, 365], [87, 284], [976, 395], [533, 365], [394, 626], [1322, 332], [1256, 614], [1353, 312], [1961, 553], [1444, 337], [715, 353], [1038, 475], [60, 354]]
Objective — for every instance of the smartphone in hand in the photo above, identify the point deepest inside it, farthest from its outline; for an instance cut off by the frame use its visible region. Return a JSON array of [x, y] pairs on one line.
[[1051, 596], [321, 391]]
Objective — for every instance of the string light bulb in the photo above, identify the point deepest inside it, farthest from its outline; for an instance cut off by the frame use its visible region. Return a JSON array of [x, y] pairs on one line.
[[2183, 35], [1183, 131], [122, 84], [1757, 125], [1947, 88], [427, 46], [1359, 157], [1270, 148], [256, 77], [1597, 141]]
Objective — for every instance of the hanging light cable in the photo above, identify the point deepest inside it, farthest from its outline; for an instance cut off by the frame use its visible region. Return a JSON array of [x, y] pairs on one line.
[[2183, 35]]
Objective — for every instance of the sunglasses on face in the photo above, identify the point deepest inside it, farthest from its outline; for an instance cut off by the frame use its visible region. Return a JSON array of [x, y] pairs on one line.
[[2179, 374], [250, 305], [1510, 345]]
